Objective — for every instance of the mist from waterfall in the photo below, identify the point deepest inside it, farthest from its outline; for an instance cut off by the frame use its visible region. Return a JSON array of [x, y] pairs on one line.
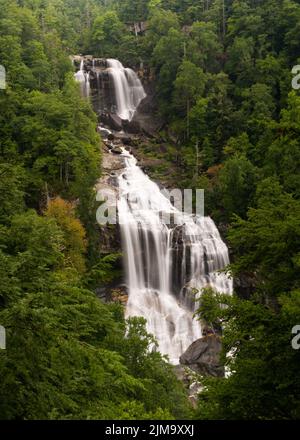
[[155, 259]]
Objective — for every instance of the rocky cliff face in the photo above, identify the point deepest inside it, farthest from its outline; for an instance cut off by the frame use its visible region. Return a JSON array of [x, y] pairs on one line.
[[109, 234], [145, 120], [103, 81]]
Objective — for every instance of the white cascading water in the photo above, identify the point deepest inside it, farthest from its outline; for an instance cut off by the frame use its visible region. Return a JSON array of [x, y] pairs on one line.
[[83, 78], [148, 250], [128, 88], [155, 260]]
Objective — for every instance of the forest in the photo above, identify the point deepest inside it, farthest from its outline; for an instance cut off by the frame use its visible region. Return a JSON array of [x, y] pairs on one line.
[[222, 75]]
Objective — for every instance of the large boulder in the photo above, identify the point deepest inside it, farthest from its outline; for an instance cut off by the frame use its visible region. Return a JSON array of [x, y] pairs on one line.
[[132, 126], [115, 122], [203, 356], [111, 120], [110, 162]]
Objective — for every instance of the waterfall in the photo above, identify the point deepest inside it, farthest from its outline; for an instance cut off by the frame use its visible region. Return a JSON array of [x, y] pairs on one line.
[[164, 263], [129, 91], [83, 78], [113, 88], [152, 252]]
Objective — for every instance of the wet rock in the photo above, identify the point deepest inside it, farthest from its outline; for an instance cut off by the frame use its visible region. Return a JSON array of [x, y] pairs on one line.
[[109, 239], [111, 162], [203, 356], [120, 295], [145, 119], [112, 120], [190, 381], [115, 122], [126, 140], [106, 147], [117, 150], [177, 257], [113, 180], [132, 126], [181, 257]]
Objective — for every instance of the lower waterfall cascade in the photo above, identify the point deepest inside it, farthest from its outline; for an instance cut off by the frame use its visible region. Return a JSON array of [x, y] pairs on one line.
[[152, 259]]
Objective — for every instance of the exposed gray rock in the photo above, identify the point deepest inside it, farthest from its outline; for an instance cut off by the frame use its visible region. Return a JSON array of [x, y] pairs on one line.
[[105, 133], [244, 285], [203, 356], [132, 126], [101, 292], [119, 294], [117, 150], [112, 120], [126, 140], [190, 381], [111, 162]]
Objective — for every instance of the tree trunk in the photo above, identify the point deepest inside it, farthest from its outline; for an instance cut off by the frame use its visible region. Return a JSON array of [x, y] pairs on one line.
[[197, 158], [223, 19], [188, 119]]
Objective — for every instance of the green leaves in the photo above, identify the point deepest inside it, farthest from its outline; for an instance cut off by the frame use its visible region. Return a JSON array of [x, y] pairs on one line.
[[12, 182], [237, 184], [107, 33], [104, 271], [257, 351], [189, 85], [74, 362], [133, 10], [268, 241]]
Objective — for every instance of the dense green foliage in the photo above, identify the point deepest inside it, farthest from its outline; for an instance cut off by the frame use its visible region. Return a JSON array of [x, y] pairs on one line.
[[264, 383], [264, 380], [68, 356], [222, 72]]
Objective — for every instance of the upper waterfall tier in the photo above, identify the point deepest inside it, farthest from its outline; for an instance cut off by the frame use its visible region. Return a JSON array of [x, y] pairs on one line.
[[129, 91], [83, 78], [113, 88], [162, 265]]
